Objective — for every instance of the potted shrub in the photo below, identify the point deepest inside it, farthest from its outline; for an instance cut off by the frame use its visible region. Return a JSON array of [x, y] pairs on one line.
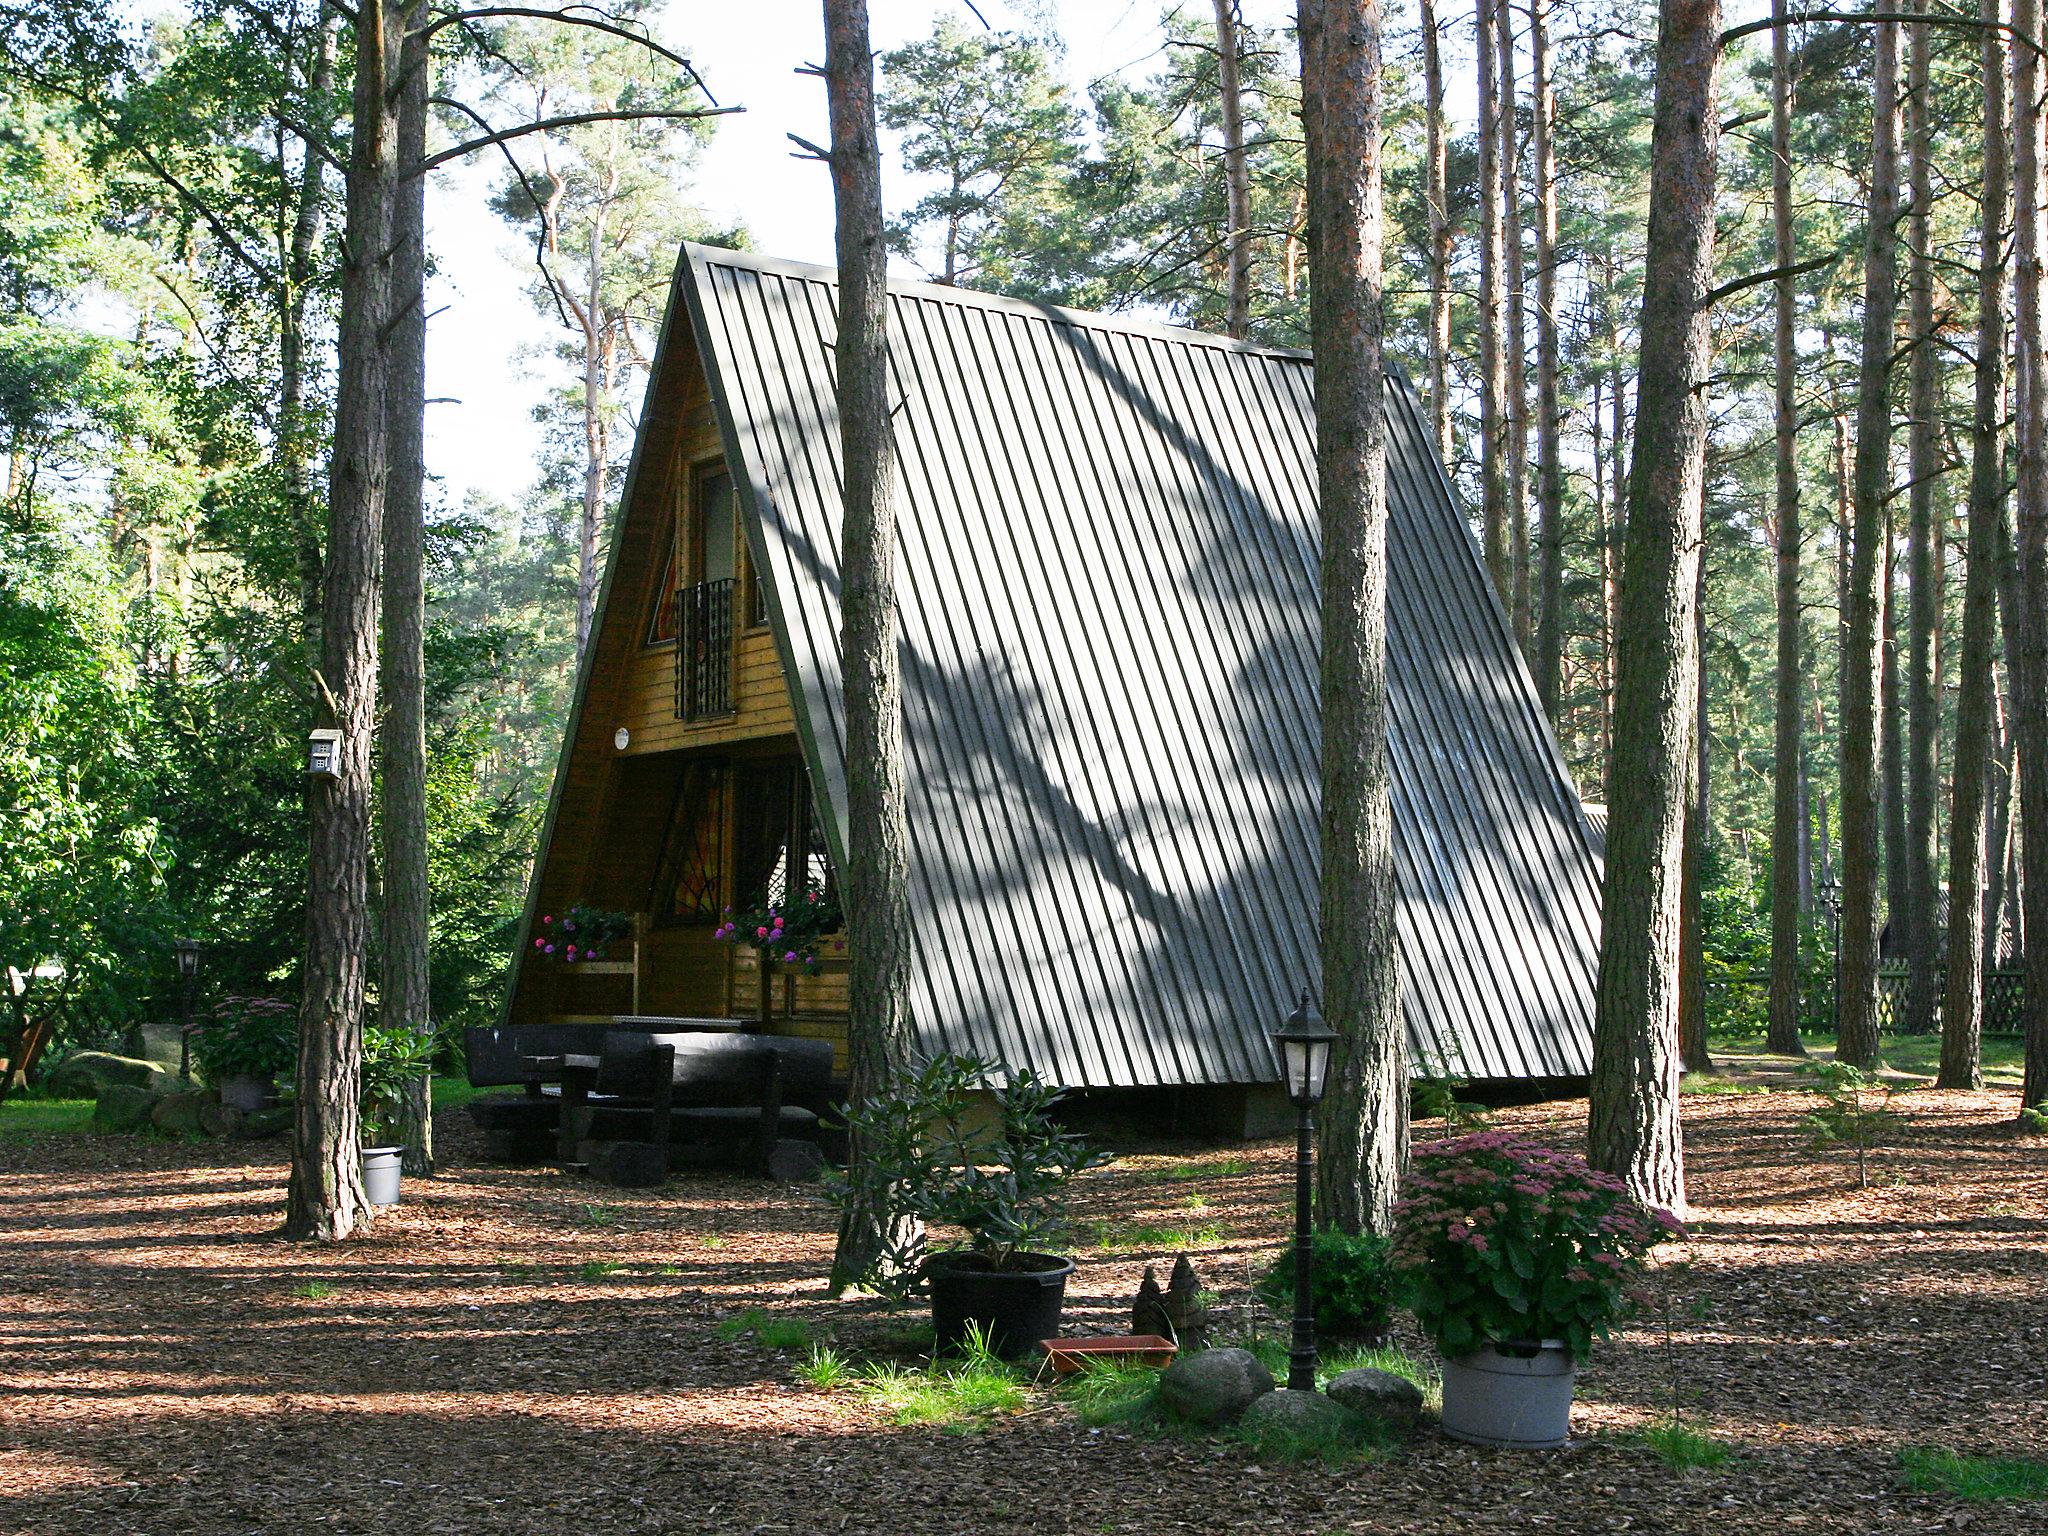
[[393, 1058], [1515, 1257], [934, 1153], [245, 1047], [1351, 1283]]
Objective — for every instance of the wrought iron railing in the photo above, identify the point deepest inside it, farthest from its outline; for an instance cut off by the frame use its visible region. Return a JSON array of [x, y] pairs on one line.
[[704, 659]]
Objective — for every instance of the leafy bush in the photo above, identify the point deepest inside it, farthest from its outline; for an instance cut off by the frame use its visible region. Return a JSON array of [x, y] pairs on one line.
[[931, 1156], [1351, 1281], [1499, 1240], [247, 1037], [393, 1058]]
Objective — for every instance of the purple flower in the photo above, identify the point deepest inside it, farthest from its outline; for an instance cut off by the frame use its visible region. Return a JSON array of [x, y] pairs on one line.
[[790, 958], [549, 949]]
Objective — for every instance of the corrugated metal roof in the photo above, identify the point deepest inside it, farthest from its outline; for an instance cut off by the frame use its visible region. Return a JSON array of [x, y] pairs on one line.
[[1107, 579]]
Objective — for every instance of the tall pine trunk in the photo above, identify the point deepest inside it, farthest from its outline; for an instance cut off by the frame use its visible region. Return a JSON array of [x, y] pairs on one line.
[[1493, 448], [1693, 1054], [325, 1199], [1237, 181], [596, 434], [1514, 344], [1782, 1033], [1862, 653], [294, 424], [403, 997], [1633, 1130], [877, 838], [1364, 1120], [1962, 1012], [1549, 417], [1437, 190], [2028, 651], [1922, 705]]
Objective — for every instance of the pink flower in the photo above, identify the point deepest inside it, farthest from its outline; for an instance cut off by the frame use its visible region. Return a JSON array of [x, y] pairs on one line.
[[760, 933], [572, 951], [546, 918]]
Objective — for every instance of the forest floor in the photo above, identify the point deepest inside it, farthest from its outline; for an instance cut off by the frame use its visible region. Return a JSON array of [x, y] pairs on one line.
[[512, 1350]]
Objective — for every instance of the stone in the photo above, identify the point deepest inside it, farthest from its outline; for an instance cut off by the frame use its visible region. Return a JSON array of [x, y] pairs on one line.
[[219, 1119], [122, 1109], [180, 1114], [625, 1164], [1309, 1415], [791, 1161], [83, 1074], [1375, 1394], [265, 1123], [1214, 1386]]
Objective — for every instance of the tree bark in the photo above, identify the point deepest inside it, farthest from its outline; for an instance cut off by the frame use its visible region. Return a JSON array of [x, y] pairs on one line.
[[877, 838], [1237, 181], [2028, 656], [1782, 1032], [1962, 1012], [1493, 448], [1437, 190], [1364, 1119], [1896, 919], [596, 436], [1633, 1130], [1862, 654], [1923, 704], [403, 1001], [325, 1199], [1693, 1054], [1549, 416], [294, 434], [1515, 345]]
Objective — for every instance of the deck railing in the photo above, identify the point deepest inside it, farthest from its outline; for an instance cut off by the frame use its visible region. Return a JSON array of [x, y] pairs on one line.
[[704, 656]]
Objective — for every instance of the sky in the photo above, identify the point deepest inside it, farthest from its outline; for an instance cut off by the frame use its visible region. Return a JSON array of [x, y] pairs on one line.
[[485, 334]]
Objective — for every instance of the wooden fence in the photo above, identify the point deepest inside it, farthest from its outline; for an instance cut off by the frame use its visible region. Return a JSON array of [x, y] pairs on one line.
[[1743, 1001]]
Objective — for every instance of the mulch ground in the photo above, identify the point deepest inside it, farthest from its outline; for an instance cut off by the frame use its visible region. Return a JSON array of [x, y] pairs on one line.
[[159, 1375]]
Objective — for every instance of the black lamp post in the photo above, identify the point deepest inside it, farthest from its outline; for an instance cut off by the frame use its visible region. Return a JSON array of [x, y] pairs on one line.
[[1304, 1042], [188, 976], [1830, 894]]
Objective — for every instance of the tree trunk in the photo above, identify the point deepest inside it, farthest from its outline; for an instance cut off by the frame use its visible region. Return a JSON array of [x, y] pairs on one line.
[[1437, 190], [1515, 345], [1862, 654], [1237, 181], [1692, 953], [1549, 417], [294, 435], [1923, 703], [596, 437], [1364, 1120], [325, 1199], [1997, 827], [1633, 1130], [1782, 1033], [1493, 448], [2029, 656], [1603, 549], [1896, 920], [877, 839], [403, 997], [1962, 1012]]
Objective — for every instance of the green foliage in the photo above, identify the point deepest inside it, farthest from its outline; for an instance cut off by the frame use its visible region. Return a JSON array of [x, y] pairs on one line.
[[962, 1395], [23, 1118], [598, 1269], [932, 1155], [1436, 1098], [2034, 1118], [1351, 1281], [1153, 1237], [1112, 1391], [1682, 1447], [825, 1369], [393, 1059], [787, 935], [1189, 1173], [313, 1290], [1855, 1112], [247, 1037], [1348, 1438], [767, 1330], [1979, 1479], [1499, 1240]]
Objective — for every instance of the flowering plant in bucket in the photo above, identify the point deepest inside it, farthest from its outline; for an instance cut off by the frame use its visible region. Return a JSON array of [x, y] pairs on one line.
[[1503, 1241], [786, 932], [579, 934]]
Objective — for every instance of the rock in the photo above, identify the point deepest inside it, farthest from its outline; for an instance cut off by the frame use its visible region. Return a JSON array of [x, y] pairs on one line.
[[122, 1109], [1213, 1387], [1305, 1414], [181, 1114], [1393, 1400], [791, 1161], [625, 1164], [84, 1074], [219, 1119], [274, 1121]]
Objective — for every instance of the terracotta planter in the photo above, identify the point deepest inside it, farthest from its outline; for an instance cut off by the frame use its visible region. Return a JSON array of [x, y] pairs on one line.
[[1071, 1356], [1514, 1395]]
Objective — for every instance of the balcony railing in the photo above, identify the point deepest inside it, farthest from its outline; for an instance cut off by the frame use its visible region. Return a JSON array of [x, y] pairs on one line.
[[704, 659]]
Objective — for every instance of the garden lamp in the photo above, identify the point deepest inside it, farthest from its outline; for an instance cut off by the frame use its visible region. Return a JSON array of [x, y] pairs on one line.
[[1304, 1042], [188, 959], [188, 973]]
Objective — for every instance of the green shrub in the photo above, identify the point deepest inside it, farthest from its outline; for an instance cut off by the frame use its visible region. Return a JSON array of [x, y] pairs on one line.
[[1855, 1112], [247, 1037], [1352, 1283], [394, 1057]]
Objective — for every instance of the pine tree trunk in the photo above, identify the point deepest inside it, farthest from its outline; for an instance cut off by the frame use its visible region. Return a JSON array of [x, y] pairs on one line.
[[596, 436], [1633, 1130], [2028, 663], [1237, 181], [1692, 953], [1998, 788], [1962, 1012], [1493, 447], [294, 429], [1923, 704], [1782, 1033], [1515, 344], [403, 996], [1549, 417], [1895, 929], [325, 1199], [1364, 1119], [877, 839], [1437, 190], [1862, 654]]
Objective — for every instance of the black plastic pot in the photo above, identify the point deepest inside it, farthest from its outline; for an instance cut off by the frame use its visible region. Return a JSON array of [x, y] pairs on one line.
[[1016, 1307]]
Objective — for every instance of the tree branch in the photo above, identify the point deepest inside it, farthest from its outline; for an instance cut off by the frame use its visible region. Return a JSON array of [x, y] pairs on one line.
[[547, 124], [540, 245], [1911, 18], [1728, 289], [565, 16]]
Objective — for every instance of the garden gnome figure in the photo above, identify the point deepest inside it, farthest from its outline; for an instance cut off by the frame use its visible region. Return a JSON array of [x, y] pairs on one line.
[[1184, 1309], [1148, 1309]]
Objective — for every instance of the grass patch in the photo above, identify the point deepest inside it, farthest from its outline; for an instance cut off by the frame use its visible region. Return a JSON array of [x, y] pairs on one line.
[[1352, 1437], [600, 1216], [1712, 1084], [598, 1269], [1112, 1391], [712, 1240], [1333, 1360], [25, 1119], [826, 1369], [1682, 1447], [521, 1271], [1188, 1173], [313, 1290], [961, 1397], [454, 1092], [1979, 1479], [1152, 1237], [767, 1330]]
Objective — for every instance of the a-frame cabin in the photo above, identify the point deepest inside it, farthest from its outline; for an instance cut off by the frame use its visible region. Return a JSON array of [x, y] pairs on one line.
[[1107, 581]]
